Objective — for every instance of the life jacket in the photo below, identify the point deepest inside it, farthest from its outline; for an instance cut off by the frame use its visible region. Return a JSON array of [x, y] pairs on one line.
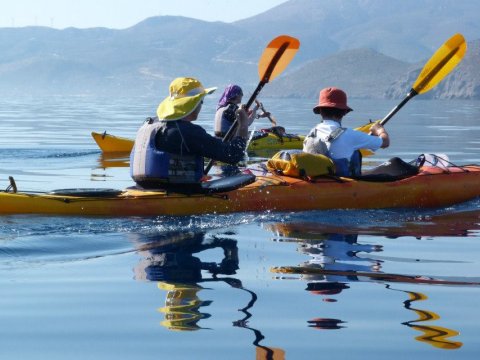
[[150, 165], [224, 118], [313, 143]]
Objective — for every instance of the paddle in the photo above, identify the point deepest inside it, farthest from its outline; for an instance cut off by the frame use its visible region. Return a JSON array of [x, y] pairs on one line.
[[275, 58], [269, 117], [445, 59]]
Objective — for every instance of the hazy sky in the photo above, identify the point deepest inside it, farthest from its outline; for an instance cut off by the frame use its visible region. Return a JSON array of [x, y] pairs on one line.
[[121, 14]]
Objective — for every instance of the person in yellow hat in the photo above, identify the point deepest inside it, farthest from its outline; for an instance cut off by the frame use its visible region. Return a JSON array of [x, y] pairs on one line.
[[341, 144], [169, 149]]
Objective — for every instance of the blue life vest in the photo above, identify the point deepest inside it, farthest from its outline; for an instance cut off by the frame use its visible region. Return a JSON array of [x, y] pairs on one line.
[[349, 167], [150, 165]]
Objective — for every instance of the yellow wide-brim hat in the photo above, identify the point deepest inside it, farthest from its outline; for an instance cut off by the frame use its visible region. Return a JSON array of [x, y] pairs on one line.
[[185, 95]]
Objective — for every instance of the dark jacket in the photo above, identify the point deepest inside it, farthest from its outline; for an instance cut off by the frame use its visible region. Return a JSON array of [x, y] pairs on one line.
[[186, 138]]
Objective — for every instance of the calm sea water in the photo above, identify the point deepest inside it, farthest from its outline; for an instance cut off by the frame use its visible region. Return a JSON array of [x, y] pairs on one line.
[[241, 286]]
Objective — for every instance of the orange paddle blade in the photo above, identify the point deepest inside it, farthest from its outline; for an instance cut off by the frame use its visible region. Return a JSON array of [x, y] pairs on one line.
[[276, 56]]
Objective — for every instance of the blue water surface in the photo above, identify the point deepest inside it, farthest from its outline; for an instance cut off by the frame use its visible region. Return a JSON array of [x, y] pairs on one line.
[[322, 284]]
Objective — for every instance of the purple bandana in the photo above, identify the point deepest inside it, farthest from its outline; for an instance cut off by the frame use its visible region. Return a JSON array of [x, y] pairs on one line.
[[230, 92]]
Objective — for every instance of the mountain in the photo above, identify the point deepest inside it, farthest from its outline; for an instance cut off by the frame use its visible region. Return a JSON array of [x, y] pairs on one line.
[[462, 83], [352, 42], [365, 73], [407, 30], [145, 57]]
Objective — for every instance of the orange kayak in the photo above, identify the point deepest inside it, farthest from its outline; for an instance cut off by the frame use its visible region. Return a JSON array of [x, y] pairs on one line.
[[431, 188]]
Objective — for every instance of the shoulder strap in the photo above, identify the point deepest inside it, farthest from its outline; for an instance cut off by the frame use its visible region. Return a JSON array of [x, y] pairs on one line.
[[335, 134]]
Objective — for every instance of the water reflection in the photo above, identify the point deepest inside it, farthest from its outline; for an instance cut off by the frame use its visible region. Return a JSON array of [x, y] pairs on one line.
[[169, 259], [337, 257], [434, 335], [113, 160]]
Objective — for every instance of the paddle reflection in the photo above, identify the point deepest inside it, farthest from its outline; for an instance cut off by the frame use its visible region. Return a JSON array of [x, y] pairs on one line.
[[169, 259], [436, 336], [337, 258]]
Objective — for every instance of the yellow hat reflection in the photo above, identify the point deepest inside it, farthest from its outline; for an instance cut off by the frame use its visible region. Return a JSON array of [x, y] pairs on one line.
[[182, 306]]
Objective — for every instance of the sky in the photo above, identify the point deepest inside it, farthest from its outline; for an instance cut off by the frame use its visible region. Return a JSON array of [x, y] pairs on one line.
[[120, 14]]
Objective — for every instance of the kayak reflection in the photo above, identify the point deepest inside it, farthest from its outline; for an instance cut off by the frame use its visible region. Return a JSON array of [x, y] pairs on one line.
[[337, 258], [169, 259], [113, 160]]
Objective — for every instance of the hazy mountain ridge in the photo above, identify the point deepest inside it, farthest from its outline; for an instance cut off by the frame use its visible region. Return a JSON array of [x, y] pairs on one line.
[[366, 46], [364, 73], [462, 83], [407, 30]]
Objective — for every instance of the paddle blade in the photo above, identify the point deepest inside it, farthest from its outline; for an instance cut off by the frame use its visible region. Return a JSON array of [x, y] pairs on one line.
[[366, 129], [441, 63], [276, 56], [366, 152]]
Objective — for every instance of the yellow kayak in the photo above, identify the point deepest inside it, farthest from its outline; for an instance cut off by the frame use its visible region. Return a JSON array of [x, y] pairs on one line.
[[112, 144], [260, 141], [432, 187]]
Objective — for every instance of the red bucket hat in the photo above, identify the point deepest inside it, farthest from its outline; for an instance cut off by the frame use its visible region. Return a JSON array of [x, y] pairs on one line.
[[332, 97]]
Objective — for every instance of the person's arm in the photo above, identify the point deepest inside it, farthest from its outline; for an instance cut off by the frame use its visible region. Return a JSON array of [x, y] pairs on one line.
[[379, 130], [201, 143]]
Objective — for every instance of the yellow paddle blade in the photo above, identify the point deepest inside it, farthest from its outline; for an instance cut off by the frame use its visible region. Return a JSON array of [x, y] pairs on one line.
[[276, 56], [441, 63], [366, 128], [366, 152]]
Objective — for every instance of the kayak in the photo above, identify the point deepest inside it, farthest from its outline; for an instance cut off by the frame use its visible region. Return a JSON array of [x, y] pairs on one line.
[[112, 144], [260, 140], [432, 187]]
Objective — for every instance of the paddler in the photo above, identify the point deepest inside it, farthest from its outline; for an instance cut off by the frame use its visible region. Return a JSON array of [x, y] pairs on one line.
[[341, 144], [227, 106], [169, 150]]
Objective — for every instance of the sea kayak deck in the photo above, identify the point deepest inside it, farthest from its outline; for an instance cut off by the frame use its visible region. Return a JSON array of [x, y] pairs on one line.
[[431, 188]]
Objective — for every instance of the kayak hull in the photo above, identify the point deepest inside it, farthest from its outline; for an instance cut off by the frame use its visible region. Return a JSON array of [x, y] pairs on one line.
[[112, 144], [273, 142], [432, 188], [116, 144]]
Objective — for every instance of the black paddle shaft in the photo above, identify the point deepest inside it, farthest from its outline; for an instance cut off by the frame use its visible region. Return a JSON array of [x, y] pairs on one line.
[[410, 95]]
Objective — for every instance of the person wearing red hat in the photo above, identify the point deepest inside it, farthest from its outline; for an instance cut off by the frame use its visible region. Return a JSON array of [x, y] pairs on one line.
[[341, 144]]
